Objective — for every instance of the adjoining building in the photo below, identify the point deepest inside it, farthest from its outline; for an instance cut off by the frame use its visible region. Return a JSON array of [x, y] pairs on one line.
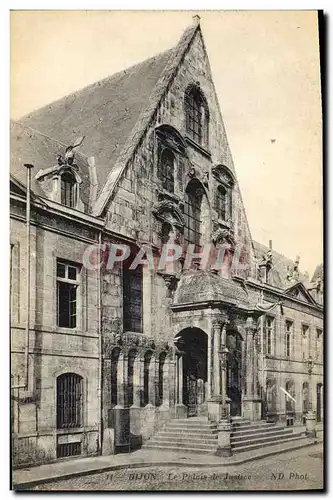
[[103, 357]]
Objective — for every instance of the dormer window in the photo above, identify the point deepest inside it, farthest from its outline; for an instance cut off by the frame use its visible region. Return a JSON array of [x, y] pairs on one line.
[[197, 116], [68, 190]]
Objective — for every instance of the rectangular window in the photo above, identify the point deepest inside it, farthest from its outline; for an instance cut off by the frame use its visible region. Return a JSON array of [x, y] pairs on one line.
[[67, 285], [305, 341], [132, 299], [289, 327], [269, 334], [319, 344]]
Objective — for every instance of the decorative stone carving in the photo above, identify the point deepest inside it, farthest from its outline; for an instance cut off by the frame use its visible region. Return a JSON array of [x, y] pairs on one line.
[[168, 211], [223, 235], [293, 271], [70, 153]]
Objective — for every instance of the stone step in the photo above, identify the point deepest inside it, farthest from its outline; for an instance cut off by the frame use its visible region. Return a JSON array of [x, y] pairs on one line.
[[179, 437], [254, 446], [180, 445], [255, 435], [250, 432], [189, 430], [245, 423], [191, 425], [197, 451], [253, 426], [260, 439]]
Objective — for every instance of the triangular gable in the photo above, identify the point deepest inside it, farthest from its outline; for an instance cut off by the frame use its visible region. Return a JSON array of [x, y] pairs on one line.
[[17, 187], [299, 291], [145, 118]]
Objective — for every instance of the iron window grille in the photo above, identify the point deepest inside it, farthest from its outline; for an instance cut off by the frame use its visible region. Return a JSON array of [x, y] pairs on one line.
[[67, 285], [69, 401]]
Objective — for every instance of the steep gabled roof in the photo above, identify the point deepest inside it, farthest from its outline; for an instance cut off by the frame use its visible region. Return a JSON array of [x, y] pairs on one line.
[[104, 112], [112, 114]]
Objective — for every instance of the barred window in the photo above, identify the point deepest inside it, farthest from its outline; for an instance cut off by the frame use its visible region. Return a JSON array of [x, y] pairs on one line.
[[196, 117], [69, 401], [167, 169], [68, 190], [67, 285], [269, 334], [132, 299], [192, 214]]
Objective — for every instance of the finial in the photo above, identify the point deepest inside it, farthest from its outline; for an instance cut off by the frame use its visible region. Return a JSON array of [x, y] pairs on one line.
[[196, 19]]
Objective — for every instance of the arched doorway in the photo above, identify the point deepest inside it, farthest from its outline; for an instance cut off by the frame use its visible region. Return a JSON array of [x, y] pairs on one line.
[[193, 342], [234, 372]]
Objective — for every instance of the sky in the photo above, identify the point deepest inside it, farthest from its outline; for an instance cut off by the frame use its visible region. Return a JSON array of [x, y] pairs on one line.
[[266, 70]]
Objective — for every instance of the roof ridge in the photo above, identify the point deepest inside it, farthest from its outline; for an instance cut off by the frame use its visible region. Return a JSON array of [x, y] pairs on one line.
[[108, 78]]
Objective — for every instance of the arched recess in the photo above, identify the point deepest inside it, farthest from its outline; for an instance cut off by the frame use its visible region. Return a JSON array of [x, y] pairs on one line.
[[271, 394], [192, 370], [162, 375], [234, 369], [114, 376], [148, 379], [132, 358], [289, 402]]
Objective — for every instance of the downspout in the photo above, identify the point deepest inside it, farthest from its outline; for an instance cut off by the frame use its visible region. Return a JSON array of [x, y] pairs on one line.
[[27, 328], [100, 342]]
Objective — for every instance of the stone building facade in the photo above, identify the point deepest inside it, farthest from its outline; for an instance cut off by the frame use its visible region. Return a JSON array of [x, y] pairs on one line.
[[114, 352]]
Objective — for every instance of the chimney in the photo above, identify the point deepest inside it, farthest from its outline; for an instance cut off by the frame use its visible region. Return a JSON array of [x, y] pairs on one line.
[[196, 19], [270, 245]]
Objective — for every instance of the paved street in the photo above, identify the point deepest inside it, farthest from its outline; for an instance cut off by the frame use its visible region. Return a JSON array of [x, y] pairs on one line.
[[299, 469]]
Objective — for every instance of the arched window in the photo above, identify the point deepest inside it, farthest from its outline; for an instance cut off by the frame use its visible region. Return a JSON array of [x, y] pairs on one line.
[[130, 376], [69, 401], [146, 377], [271, 396], [290, 403], [192, 213], [196, 116], [161, 365], [68, 190], [167, 170]]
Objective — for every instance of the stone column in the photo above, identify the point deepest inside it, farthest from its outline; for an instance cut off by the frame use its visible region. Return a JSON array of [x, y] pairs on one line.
[[181, 410], [209, 367], [251, 402], [217, 327], [214, 403]]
